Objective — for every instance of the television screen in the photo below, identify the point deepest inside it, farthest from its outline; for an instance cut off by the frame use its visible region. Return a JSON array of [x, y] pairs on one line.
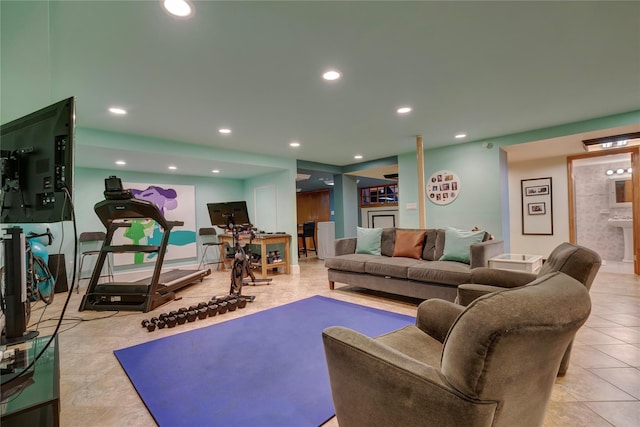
[[36, 154], [223, 214]]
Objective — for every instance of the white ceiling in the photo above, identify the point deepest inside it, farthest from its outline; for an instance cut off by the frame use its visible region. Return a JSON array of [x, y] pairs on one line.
[[483, 68]]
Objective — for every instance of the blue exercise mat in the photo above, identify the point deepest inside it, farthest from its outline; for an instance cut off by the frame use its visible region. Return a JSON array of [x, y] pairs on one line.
[[264, 369]]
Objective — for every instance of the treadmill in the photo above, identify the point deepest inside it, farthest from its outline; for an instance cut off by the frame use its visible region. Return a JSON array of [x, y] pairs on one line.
[[142, 295]]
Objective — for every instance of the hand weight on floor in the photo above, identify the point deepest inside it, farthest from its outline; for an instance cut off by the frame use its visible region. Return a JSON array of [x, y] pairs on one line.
[[149, 325]]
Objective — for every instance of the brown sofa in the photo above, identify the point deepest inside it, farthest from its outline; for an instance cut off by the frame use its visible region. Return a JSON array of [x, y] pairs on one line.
[[423, 278]]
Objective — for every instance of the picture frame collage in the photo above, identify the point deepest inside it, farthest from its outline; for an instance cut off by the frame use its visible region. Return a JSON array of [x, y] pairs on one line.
[[443, 187]]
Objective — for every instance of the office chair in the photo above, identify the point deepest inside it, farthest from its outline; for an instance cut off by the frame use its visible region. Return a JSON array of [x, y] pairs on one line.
[[90, 239], [209, 238], [308, 230]]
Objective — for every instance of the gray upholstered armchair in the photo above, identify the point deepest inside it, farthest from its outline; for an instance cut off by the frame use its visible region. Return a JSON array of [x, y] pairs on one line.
[[577, 261], [492, 363]]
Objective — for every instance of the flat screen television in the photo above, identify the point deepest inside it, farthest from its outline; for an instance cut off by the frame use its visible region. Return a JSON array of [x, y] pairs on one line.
[[36, 164], [225, 213]]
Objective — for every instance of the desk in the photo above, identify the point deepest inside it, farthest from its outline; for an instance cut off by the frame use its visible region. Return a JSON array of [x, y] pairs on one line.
[[519, 262], [39, 403], [263, 240]]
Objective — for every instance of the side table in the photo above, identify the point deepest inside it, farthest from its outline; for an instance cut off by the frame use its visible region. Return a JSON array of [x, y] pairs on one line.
[[519, 262]]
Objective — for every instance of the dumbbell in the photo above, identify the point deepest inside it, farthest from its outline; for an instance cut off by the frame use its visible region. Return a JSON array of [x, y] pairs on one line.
[[212, 309], [233, 304], [182, 318], [183, 310], [161, 324], [192, 316], [222, 307], [171, 321], [242, 302], [163, 316], [202, 305], [173, 313], [203, 313], [149, 325], [193, 308]]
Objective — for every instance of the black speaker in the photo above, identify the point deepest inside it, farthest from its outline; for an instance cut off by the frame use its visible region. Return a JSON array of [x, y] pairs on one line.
[[58, 269]]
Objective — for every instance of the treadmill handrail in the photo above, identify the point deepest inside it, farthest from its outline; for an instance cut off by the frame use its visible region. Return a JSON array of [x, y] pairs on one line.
[[112, 210]]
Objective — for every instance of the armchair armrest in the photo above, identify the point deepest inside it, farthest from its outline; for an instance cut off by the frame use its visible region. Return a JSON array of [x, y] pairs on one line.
[[375, 385], [468, 292], [344, 246], [481, 252], [435, 317], [501, 278]]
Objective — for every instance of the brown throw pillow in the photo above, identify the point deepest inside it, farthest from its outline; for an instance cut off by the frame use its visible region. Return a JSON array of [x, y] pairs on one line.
[[409, 243]]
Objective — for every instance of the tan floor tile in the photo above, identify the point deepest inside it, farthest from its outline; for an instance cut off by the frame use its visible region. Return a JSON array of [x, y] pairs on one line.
[[628, 335], [626, 379], [589, 357], [620, 414], [583, 385], [593, 336], [95, 391], [596, 321], [626, 353], [572, 414], [623, 318]]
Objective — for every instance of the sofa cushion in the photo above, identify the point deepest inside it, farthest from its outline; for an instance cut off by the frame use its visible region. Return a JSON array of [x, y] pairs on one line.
[[351, 262], [444, 272], [433, 244], [457, 244], [368, 241], [395, 267], [409, 244], [387, 241]]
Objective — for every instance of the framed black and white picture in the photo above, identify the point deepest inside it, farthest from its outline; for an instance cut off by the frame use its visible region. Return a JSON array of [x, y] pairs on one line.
[[537, 213]]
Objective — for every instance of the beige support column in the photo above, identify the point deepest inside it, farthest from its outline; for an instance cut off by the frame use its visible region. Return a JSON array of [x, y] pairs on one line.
[[421, 188]]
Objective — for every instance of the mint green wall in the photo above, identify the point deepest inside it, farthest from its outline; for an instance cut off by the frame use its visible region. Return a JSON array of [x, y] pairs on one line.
[[478, 197], [89, 183], [346, 205], [89, 187], [408, 190], [482, 172], [25, 83]]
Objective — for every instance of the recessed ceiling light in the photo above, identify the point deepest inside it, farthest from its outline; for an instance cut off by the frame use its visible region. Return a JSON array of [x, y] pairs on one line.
[[357, 156], [461, 135], [118, 111], [173, 168], [630, 170], [332, 75], [215, 171], [177, 7], [225, 131], [121, 162], [620, 171], [609, 172], [404, 110], [294, 144]]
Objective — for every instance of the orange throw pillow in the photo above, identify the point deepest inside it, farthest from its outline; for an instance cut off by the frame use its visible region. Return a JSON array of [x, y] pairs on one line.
[[409, 243]]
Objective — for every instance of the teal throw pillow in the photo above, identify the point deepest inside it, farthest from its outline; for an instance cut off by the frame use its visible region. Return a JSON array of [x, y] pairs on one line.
[[457, 244], [368, 241]]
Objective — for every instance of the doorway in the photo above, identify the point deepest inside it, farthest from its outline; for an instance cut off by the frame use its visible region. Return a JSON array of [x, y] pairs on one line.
[[604, 206]]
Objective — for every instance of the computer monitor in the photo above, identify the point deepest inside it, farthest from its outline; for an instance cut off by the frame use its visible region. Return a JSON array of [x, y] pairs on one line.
[[226, 213], [36, 165]]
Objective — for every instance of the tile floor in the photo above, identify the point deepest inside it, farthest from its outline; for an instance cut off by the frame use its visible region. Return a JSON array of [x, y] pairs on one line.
[[602, 387]]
